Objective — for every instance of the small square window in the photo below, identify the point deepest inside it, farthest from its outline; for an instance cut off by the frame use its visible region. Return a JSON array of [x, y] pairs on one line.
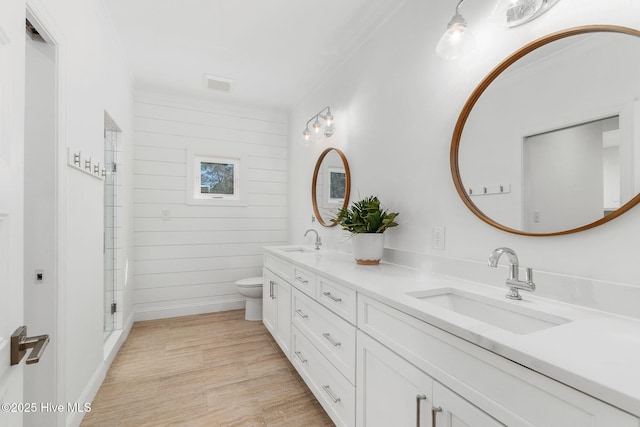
[[217, 178], [214, 180]]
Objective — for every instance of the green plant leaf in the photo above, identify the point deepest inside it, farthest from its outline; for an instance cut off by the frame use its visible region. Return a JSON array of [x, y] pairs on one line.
[[365, 216]]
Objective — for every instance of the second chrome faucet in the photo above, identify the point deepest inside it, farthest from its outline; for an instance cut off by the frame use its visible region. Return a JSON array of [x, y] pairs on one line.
[[513, 282], [318, 240]]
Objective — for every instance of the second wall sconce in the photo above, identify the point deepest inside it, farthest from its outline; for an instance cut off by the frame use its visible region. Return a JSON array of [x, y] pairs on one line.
[[457, 41], [327, 118]]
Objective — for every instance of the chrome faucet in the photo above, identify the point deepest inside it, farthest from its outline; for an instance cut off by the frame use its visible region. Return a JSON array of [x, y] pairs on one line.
[[318, 240], [513, 282]]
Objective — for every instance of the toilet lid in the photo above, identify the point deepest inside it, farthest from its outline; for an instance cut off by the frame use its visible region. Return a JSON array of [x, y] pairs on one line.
[[251, 281]]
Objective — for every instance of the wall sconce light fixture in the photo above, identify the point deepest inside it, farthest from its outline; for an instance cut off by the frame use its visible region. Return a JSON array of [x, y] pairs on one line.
[[327, 117], [518, 12], [457, 40]]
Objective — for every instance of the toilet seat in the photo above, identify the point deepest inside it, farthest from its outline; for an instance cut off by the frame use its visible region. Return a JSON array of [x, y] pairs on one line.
[[250, 282], [251, 289]]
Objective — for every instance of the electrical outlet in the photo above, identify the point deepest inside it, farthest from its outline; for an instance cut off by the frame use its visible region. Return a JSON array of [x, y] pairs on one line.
[[438, 238]]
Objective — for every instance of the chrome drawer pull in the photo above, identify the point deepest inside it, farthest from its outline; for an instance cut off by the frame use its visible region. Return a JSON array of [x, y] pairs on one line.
[[301, 280], [301, 314], [328, 295], [302, 359], [419, 397], [434, 411], [272, 294], [331, 340], [331, 395]]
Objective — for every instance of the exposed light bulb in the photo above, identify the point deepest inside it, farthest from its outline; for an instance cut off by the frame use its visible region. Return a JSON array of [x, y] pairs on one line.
[[457, 41], [328, 117], [306, 134], [317, 125]]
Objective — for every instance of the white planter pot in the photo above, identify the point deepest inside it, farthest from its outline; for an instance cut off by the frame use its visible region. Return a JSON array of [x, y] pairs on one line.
[[368, 248]]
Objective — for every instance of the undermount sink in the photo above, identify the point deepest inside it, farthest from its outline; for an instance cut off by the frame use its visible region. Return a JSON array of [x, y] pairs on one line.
[[504, 315], [299, 249]]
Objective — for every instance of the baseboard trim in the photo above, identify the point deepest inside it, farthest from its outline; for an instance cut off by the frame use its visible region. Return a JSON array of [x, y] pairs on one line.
[[186, 310], [112, 346]]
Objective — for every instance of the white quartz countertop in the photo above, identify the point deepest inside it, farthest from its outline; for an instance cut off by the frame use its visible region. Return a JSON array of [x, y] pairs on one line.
[[595, 352]]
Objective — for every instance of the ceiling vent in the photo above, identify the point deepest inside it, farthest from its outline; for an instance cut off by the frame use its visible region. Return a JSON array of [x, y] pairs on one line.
[[221, 84]]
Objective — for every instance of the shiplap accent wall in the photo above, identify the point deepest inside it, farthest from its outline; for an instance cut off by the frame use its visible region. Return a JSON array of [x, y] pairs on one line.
[[186, 257]]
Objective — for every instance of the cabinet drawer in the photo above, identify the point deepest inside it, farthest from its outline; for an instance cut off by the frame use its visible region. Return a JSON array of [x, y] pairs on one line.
[[336, 395], [304, 280], [334, 337], [337, 298], [278, 266], [511, 393]]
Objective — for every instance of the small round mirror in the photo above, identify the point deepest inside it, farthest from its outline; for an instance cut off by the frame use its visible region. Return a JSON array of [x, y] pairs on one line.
[[331, 185]]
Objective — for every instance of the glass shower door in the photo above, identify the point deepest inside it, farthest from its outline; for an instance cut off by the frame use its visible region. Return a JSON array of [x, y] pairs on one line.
[[110, 231]]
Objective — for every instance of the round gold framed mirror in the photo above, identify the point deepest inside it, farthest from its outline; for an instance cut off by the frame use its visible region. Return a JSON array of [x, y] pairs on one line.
[[549, 142], [331, 185]]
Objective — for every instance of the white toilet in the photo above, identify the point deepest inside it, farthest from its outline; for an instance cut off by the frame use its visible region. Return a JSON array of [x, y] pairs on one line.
[[251, 288]]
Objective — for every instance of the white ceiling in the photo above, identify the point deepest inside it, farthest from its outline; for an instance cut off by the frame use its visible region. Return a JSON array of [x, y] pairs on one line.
[[275, 50]]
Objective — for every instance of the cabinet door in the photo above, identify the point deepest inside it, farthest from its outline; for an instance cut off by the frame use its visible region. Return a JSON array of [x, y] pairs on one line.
[[269, 302], [390, 390], [283, 299], [451, 410]]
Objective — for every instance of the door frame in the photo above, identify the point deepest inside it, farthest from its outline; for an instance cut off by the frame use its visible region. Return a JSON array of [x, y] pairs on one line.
[[42, 20]]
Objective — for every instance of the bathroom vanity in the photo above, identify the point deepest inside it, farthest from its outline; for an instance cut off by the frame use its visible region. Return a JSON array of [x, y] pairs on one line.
[[390, 345]]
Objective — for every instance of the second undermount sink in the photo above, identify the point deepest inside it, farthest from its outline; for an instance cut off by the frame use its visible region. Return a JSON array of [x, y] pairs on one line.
[[299, 249], [503, 314]]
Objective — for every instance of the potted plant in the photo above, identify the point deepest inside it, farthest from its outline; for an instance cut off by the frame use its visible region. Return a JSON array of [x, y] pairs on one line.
[[366, 220]]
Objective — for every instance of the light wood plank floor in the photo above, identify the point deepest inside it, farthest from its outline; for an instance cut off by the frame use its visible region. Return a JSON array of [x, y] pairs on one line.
[[207, 370]]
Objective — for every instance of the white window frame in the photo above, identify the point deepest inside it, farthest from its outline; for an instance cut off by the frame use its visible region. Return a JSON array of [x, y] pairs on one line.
[[333, 169], [193, 188]]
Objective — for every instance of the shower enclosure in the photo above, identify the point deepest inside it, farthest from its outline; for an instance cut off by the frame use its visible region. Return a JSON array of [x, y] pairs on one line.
[[112, 249]]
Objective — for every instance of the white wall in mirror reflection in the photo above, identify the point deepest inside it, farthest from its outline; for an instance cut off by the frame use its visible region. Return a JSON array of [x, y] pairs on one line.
[[581, 79]]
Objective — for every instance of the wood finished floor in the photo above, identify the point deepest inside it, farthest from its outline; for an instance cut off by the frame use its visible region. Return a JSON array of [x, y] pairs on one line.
[[207, 370]]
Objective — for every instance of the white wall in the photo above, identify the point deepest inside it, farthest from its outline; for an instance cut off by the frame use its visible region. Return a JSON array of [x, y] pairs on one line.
[[92, 78], [39, 219], [187, 257], [396, 103]]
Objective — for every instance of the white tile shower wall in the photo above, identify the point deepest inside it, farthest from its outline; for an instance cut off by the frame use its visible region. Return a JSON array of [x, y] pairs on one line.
[[186, 257]]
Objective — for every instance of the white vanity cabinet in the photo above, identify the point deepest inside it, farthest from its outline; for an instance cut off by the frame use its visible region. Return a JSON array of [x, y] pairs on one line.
[[276, 303], [324, 342], [323, 334], [370, 363], [471, 385], [391, 391]]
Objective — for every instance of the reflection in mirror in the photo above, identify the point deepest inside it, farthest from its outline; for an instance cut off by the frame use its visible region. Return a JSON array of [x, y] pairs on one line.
[[546, 143], [331, 185], [571, 176]]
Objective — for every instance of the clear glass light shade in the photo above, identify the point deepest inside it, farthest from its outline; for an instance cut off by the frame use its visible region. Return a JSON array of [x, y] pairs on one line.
[[328, 131], [517, 12], [328, 118], [306, 134], [457, 41], [317, 125]]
